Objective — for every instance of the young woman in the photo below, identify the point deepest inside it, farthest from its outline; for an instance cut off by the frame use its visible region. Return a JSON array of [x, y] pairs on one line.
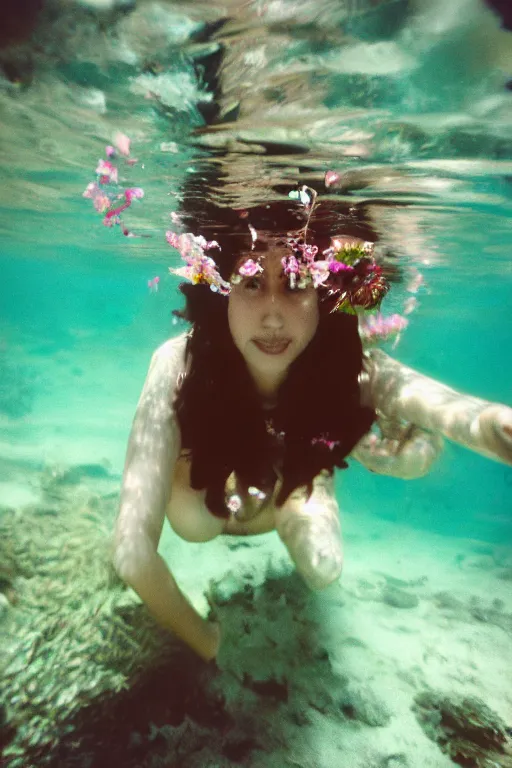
[[243, 420]]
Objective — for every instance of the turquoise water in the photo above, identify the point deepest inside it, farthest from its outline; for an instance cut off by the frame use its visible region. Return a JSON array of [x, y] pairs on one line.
[[408, 99], [407, 85], [79, 328]]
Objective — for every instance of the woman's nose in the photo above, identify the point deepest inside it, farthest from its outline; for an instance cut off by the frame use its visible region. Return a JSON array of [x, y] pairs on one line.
[[272, 315]]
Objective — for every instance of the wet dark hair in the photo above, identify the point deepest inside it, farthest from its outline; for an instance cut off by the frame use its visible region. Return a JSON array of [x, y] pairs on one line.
[[220, 415]]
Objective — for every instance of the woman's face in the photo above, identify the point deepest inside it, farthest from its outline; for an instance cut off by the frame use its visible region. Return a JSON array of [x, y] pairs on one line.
[[271, 323]]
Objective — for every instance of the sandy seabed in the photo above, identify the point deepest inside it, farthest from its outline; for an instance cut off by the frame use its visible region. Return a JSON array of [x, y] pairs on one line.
[[406, 661]]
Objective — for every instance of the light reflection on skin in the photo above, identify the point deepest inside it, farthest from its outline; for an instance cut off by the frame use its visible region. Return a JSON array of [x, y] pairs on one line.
[[309, 529], [265, 309]]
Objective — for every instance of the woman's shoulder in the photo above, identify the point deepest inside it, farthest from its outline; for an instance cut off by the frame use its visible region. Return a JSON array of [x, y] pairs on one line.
[[167, 364], [172, 351]]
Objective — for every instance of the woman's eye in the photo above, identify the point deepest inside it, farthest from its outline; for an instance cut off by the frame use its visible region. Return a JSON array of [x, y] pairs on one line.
[[252, 283]]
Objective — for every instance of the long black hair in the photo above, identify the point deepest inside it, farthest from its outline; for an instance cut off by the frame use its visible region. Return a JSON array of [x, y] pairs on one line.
[[221, 418]]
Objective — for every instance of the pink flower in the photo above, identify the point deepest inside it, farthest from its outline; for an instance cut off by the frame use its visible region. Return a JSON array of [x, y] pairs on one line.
[[91, 190], [122, 142], [290, 265], [309, 252], [375, 328], [331, 178], [200, 267], [114, 202], [133, 193], [153, 284], [186, 272], [101, 203], [172, 238], [250, 268], [189, 245], [322, 440], [107, 172], [116, 211], [109, 221], [319, 271], [338, 266], [206, 244]]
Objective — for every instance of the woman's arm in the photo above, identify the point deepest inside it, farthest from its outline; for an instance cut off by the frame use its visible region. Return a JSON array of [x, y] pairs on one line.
[[311, 531], [401, 394], [153, 448]]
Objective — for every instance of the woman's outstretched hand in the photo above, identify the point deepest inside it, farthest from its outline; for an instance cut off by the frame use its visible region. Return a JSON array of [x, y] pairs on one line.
[[402, 395], [401, 451]]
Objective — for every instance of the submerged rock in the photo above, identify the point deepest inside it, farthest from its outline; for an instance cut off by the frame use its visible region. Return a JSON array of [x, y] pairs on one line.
[[394, 761], [399, 598], [361, 703], [466, 729], [75, 474]]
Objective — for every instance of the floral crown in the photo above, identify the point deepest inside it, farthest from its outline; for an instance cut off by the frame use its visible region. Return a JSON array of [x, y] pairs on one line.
[[347, 271]]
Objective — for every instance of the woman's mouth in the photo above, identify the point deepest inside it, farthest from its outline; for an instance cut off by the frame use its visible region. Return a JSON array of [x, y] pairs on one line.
[[272, 347]]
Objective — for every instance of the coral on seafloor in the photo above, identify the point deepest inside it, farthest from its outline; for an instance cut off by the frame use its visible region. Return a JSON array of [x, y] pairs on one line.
[[466, 729], [88, 679], [85, 672], [86, 675]]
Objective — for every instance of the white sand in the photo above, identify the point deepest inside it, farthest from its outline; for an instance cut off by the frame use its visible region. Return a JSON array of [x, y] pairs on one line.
[[390, 653]]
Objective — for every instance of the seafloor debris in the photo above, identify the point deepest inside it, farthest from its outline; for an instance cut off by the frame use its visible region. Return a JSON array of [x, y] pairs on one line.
[[86, 675], [90, 680], [399, 598], [55, 481], [359, 702], [466, 729], [397, 760], [475, 608]]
